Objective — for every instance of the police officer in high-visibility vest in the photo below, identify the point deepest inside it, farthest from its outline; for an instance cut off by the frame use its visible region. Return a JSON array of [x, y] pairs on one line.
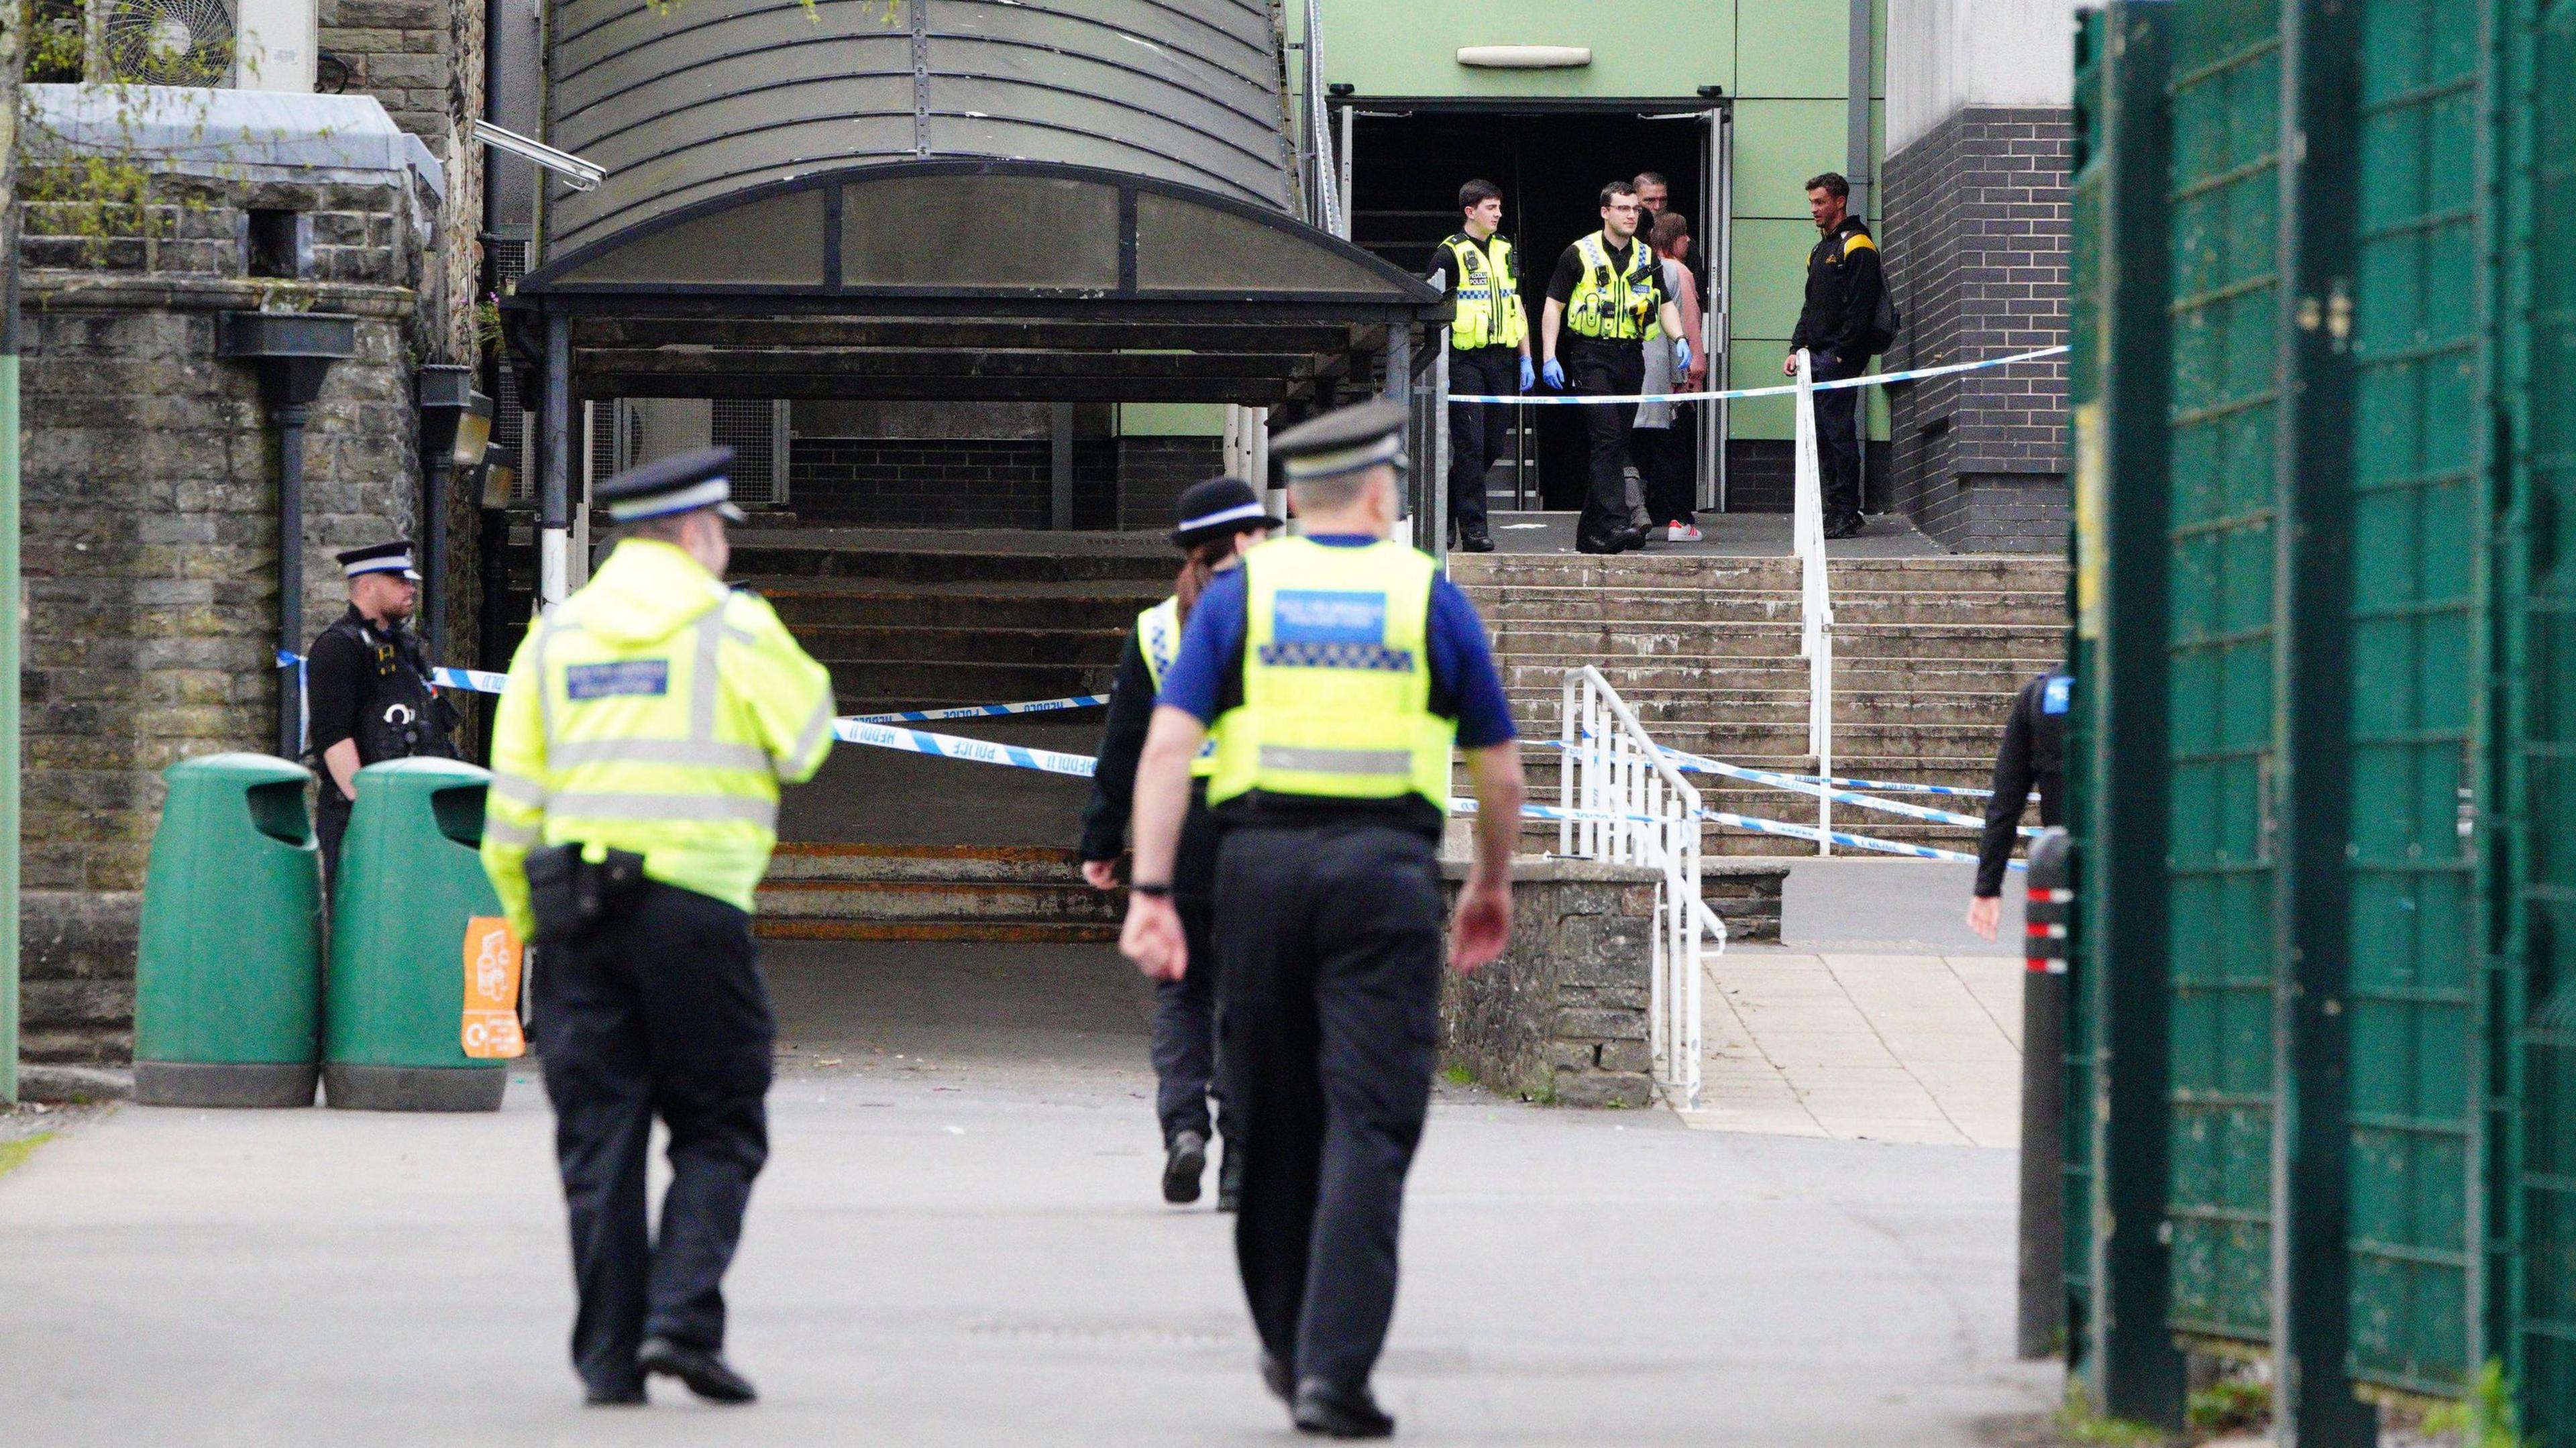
[[1608, 290], [1489, 352], [646, 726], [1338, 670], [1219, 519], [369, 694]]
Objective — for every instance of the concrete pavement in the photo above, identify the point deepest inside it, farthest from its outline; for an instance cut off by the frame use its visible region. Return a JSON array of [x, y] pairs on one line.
[[959, 1242]]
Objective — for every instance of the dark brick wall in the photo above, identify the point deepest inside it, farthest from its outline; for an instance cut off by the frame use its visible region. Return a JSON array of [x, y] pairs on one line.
[[1761, 476], [945, 483], [423, 61], [1152, 471], [1975, 234]]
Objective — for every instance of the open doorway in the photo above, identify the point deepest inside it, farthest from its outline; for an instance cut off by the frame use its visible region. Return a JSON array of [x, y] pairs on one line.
[[1407, 162]]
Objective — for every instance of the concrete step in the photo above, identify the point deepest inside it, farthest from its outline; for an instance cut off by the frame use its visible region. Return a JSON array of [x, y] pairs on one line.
[[942, 644], [975, 605], [787, 558], [1515, 603], [999, 932], [1007, 864], [883, 684], [1009, 894], [1649, 570], [938, 900]]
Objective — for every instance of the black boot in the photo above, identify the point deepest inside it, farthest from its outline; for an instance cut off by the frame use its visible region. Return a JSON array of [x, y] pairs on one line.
[[1475, 540], [1340, 1412], [1229, 1181], [1181, 1167], [707, 1374]]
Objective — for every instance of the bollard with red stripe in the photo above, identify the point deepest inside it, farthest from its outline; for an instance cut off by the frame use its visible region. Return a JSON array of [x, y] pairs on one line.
[[2047, 912]]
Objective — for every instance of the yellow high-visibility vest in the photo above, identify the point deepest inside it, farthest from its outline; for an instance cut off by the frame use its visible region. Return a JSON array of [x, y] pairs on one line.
[[1336, 678], [1611, 303], [654, 711], [1488, 294], [1158, 638]]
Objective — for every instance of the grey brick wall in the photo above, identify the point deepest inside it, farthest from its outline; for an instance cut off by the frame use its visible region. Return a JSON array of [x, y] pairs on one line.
[[1975, 231], [150, 540], [1152, 472], [944, 483], [423, 61]]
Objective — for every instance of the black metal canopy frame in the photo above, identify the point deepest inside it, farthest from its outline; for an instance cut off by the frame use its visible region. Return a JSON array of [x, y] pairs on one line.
[[962, 279]]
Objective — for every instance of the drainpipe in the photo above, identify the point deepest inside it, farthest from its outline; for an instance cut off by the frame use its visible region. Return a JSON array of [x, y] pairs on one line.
[[293, 351], [12, 588]]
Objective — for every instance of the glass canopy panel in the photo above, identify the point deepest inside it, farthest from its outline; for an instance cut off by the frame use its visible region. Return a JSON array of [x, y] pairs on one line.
[[773, 242], [1183, 246], [980, 231]]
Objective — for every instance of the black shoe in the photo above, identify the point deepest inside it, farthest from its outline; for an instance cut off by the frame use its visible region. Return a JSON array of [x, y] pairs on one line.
[[1181, 1168], [707, 1374], [1632, 539], [1339, 1412], [1477, 542], [1613, 544], [1277, 1378], [1229, 1182], [1847, 526], [620, 1395]]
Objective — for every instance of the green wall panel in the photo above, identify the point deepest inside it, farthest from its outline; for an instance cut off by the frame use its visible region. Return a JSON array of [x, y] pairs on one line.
[[1639, 47], [1789, 48], [2221, 734], [1778, 145]]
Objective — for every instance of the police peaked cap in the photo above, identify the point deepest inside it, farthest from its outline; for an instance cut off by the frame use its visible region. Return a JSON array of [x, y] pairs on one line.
[[1218, 508], [680, 483], [1343, 442], [394, 557]]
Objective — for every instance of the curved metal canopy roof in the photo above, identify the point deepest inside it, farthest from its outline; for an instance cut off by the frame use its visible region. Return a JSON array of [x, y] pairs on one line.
[[687, 102]]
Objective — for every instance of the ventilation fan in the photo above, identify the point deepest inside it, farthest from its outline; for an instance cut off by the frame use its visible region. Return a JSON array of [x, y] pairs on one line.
[[170, 42]]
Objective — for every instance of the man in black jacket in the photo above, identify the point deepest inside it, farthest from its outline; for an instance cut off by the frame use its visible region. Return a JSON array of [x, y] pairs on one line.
[[1839, 328], [2033, 756]]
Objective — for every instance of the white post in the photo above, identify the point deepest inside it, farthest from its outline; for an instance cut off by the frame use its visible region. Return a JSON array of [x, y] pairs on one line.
[[1816, 619]]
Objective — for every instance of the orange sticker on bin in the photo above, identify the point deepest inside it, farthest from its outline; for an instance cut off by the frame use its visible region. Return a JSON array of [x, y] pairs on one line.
[[491, 1030]]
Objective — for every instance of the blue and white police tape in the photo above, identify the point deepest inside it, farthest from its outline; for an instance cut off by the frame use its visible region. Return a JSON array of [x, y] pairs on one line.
[[984, 711], [473, 680], [950, 746], [1890, 787], [1875, 379], [1808, 785]]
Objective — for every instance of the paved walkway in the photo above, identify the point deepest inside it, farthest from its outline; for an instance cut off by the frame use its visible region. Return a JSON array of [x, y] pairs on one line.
[[958, 1242]]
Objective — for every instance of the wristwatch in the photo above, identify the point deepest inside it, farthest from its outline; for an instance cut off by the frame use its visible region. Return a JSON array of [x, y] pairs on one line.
[[1157, 891]]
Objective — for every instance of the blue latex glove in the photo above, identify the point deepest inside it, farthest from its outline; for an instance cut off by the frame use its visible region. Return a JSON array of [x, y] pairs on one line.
[[1529, 379], [1681, 354], [1555, 372]]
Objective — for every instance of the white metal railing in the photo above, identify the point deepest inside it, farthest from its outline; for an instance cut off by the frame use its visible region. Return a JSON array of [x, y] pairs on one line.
[[1625, 803], [1816, 604]]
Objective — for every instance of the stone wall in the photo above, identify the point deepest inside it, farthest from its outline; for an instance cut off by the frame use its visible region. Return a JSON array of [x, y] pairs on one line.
[[1977, 221], [150, 548], [423, 59], [1562, 1017]]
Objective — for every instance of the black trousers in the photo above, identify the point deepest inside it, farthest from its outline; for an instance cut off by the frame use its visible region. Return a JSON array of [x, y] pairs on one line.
[[1664, 458], [1606, 369], [331, 824], [1838, 441], [1477, 430], [1185, 1031], [661, 1013], [1331, 940]]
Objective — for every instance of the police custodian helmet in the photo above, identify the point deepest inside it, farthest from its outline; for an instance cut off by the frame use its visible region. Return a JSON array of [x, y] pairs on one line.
[[680, 483], [394, 557]]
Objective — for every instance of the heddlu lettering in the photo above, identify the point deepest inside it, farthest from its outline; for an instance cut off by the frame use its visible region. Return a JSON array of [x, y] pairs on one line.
[[1327, 616]]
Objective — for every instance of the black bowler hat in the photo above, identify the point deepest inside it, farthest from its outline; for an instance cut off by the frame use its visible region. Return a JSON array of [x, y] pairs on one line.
[[680, 483], [1344, 441], [1218, 507], [394, 557]]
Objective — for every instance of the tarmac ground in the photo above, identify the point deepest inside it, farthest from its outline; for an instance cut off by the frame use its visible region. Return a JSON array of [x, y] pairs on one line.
[[959, 1241]]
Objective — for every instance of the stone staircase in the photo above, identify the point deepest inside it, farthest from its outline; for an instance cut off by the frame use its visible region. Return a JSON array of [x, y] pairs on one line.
[[1017, 894], [1928, 653], [911, 621]]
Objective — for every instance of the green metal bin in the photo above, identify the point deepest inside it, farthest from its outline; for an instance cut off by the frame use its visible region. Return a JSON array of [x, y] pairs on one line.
[[394, 999], [227, 973]]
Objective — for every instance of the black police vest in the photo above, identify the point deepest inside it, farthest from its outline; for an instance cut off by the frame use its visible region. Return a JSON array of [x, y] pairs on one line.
[[399, 715]]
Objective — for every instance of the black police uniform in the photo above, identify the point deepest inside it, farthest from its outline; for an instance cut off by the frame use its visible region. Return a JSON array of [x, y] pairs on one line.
[[1477, 430], [2033, 756], [1604, 367], [371, 684], [1838, 326]]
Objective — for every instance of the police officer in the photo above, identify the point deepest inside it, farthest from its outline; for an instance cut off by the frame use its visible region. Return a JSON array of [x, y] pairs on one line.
[[1489, 351], [1219, 518], [368, 691], [1338, 669], [2033, 756], [1608, 288], [1838, 325], [642, 736]]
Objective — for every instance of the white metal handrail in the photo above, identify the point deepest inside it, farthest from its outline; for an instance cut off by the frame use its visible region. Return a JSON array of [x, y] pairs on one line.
[[1816, 604], [1625, 803]]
